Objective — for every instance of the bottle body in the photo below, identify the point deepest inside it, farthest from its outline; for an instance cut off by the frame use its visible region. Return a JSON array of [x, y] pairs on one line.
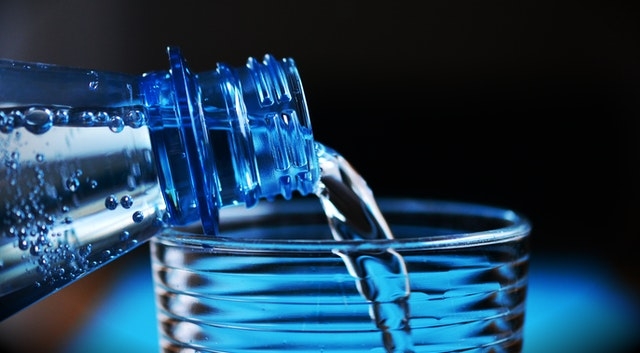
[[65, 215], [95, 163]]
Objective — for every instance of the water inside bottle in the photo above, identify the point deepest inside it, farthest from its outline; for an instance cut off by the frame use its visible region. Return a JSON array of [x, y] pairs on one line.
[[60, 202]]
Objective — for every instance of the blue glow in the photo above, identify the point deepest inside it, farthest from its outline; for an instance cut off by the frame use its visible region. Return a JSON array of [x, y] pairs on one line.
[[124, 321], [575, 305], [578, 305]]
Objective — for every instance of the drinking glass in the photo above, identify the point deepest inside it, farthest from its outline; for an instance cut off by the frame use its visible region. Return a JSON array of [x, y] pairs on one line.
[[275, 280]]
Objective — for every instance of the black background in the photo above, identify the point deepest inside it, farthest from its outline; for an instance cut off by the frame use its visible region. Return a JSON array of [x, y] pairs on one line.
[[528, 105]]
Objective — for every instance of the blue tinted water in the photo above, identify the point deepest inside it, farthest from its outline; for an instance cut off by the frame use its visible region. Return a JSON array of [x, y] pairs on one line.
[[381, 277]]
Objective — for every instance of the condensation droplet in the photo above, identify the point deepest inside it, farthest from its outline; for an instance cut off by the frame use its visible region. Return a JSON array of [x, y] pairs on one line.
[[85, 250], [23, 244], [17, 117], [125, 235], [38, 120], [126, 201], [111, 202], [61, 117], [138, 216], [12, 164], [88, 118], [93, 80], [135, 118], [39, 157], [102, 118], [43, 261], [116, 124], [35, 249], [73, 184]]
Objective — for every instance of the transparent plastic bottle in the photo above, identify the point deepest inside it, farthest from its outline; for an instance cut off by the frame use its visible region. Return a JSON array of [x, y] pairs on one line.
[[94, 163]]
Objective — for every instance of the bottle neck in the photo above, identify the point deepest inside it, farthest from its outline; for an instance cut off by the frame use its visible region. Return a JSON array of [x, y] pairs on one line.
[[229, 136]]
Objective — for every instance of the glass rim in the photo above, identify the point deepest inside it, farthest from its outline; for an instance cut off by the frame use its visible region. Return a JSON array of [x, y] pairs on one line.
[[516, 226]]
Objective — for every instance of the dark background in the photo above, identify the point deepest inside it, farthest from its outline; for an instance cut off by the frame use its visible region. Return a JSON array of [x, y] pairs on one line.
[[528, 105]]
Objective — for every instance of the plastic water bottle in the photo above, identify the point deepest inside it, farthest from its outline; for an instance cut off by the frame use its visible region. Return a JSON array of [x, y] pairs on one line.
[[94, 163]]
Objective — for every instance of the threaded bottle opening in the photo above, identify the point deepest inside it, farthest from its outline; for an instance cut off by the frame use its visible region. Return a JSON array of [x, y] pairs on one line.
[[229, 136], [270, 133]]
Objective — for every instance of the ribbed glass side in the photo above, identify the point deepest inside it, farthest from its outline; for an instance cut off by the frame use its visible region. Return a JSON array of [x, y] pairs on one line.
[[275, 282]]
